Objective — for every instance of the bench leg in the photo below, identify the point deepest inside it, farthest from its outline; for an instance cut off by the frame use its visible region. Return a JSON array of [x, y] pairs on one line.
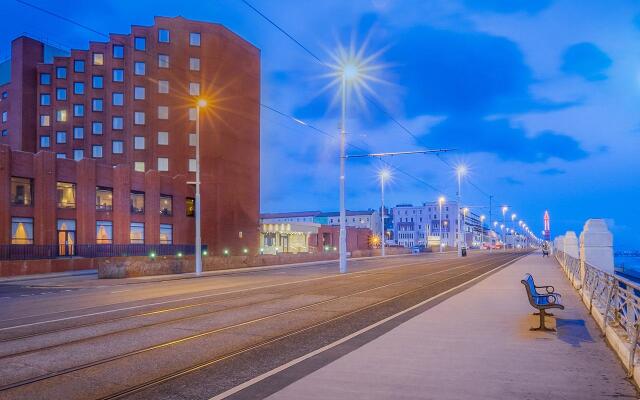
[[542, 326], [547, 314]]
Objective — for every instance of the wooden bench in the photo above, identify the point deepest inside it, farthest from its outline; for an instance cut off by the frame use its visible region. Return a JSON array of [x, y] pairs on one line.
[[541, 301]]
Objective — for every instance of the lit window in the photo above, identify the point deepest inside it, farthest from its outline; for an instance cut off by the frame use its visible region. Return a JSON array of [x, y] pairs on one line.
[[139, 93], [61, 137], [117, 99], [140, 43], [163, 61], [45, 79], [96, 128], [192, 139], [78, 132], [97, 81], [118, 75], [117, 147], [192, 165], [192, 114], [21, 230], [166, 205], [163, 86], [138, 142], [136, 233], [104, 199], [96, 151], [78, 110], [138, 166], [78, 66], [190, 207], [78, 154], [61, 72], [61, 115], [139, 68], [97, 105], [166, 234], [137, 202], [194, 89], [21, 191], [163, 164], [78, 87], [61, 155], [98, 59], [45, 99], [163, 138], [163, 112], [61, 94], [104, 232], [117, 123], [138, 118], [66, 195], [194, 39], [163, 35], [194, 64], [5, 116], [118, 51]]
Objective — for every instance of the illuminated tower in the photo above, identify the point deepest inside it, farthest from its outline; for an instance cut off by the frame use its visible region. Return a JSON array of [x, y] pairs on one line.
[[547, 230]]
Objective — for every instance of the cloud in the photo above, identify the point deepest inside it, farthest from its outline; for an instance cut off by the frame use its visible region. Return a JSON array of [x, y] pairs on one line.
[[552, 171], [511, 181], [508, 6], [587, 61]]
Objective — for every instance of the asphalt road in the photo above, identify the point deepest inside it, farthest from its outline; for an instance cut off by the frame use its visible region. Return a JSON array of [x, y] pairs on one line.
[[79, 338]]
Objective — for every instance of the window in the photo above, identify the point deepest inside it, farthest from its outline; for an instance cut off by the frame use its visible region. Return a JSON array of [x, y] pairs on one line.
[[21, 230], [61, 155], [192, 114], [118, 75], [97, 81], [66, 195], [78, 154], [45, 142], [104, 232], [96, 151], [78, 87], [139, 93], [137, 203], [45, 99], [117, 147], [117, 98], [166, 205], [163, 164], [192, 165], [97, 105], [61, 137], [45, 79], [194, 89], [61, 72], [163, 61], [78, 65], [194, 64], [21, 191], [139, 68], [163, 35], [163, 112], [4, 132], [191, 207], [78, 110], [118, 51], [163, 138], [163, 86], [140, 43], [138, 142], [61, 94], [61, 116], [192, 139], [136, 233], [96, 128], [194, 39], [117, 123], [5, 116], [98, 59], [166, 234], [78, 132], [138, 166], [138, 118], [104, 198]]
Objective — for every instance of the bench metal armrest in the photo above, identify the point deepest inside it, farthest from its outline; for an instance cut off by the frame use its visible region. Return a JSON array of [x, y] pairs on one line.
[[548, 288], [553, 298]]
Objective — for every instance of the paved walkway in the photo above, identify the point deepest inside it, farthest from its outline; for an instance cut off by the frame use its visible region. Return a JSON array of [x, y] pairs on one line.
[[477, 345]]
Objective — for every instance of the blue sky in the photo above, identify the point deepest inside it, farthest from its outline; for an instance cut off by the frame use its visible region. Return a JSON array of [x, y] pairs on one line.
[[540, 98]]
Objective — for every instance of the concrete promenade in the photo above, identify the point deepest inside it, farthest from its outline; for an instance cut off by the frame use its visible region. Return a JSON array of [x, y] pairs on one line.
[[477, 345]]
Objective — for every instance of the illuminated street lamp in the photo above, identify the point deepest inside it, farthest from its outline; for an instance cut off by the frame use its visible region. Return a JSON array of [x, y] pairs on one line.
[[384, 175], [460, 171], [504, 222], [482, 218], [200, 103], [440, 203]]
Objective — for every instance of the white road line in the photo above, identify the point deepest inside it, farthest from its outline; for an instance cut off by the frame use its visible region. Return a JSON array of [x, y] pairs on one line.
[[298, 360]]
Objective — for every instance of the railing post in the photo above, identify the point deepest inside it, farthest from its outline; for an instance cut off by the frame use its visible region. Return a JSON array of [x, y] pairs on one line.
[[632, 350]]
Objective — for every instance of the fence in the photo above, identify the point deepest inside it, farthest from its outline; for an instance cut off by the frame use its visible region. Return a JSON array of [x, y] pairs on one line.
[[39, 252], [615, 299]]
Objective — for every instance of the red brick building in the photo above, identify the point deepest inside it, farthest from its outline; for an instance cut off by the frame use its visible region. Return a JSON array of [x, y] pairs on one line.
[[103, 140]]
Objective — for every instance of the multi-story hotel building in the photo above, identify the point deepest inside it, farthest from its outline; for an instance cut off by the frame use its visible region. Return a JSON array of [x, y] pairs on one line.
[[98, 145]]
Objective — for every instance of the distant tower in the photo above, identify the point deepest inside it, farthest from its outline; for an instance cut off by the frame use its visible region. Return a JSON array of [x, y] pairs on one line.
[[547, 230]]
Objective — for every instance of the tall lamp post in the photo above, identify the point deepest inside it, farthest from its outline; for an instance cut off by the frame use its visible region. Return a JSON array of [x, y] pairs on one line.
[[201, 103], [384, 174], [504, 223], [440, 202], [482, 218], [513, 229], [460, 171]]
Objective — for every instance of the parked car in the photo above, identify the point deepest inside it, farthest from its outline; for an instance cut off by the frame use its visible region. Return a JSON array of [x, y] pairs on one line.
[[420, 248]]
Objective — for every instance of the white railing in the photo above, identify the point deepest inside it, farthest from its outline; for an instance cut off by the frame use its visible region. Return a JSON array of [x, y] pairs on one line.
[[616, 299]]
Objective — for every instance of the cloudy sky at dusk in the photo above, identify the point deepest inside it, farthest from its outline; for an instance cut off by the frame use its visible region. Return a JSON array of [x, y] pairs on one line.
[[540, 98]]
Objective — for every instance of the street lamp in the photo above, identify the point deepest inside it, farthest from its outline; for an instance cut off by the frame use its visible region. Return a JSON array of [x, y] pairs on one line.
[[201, 103], [384, 174], [460, 171], [504, 222], [482, 218], [440, 203]]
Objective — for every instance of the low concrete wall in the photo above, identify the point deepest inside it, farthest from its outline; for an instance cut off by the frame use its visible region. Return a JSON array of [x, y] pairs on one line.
[[30, 267]]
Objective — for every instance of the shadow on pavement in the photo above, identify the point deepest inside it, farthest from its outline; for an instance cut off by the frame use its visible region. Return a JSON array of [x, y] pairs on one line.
[[573, 331]]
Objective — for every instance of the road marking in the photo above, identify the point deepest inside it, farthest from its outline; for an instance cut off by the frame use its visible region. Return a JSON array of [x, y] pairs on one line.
[[300, 359], [120, 291]]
